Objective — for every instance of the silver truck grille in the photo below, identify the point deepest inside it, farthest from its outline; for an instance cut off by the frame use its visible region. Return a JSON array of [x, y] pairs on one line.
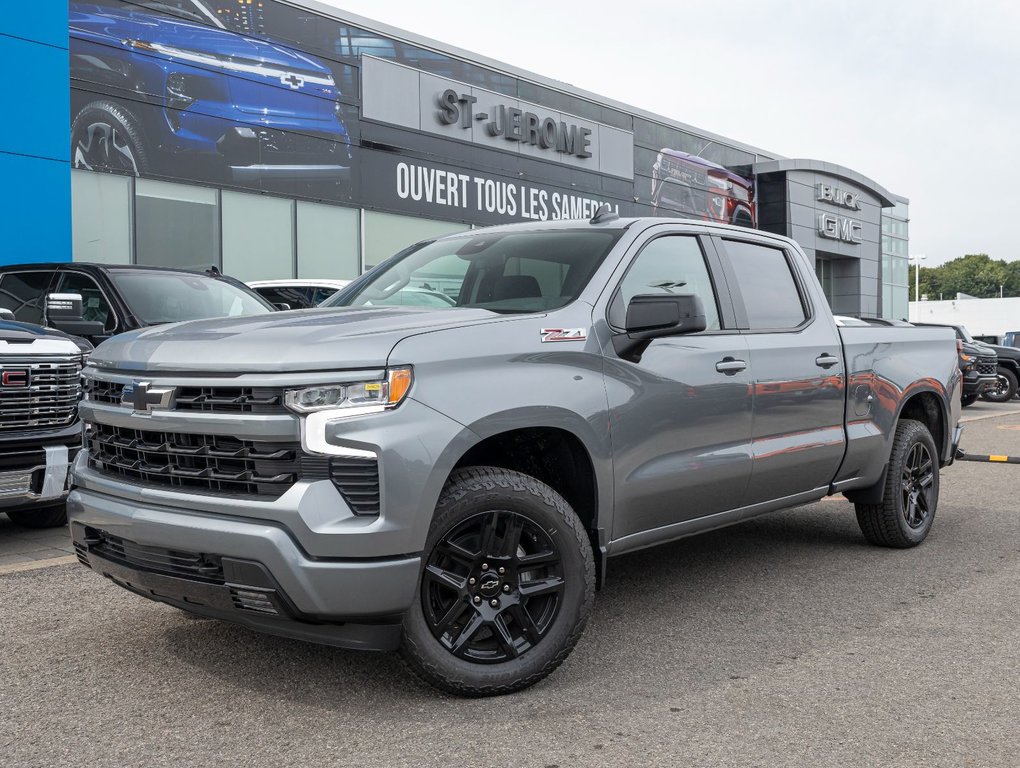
[[39, 394], [207, 463]]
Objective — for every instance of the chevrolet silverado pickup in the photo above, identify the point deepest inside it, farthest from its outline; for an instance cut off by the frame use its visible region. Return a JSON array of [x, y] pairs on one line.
[[451, 481]]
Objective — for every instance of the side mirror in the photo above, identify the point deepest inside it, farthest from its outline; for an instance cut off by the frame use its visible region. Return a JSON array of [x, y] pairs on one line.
[[6, 314], [64, 312], [654, 316]]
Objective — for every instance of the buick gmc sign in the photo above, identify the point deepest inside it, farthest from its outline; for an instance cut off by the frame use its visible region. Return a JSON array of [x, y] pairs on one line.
[[834, 226], [515, 124]]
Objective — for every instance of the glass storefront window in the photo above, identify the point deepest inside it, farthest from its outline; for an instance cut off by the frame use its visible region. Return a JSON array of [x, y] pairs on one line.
[[258, 236], [101, 212], [328, 241], [385, 234], [176, 225]]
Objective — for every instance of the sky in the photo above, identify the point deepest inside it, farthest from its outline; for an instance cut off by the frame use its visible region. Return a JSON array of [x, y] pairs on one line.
[[919, 95]]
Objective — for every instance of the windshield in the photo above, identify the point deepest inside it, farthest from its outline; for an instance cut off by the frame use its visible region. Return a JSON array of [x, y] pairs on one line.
[[512, 272], [170, 297]]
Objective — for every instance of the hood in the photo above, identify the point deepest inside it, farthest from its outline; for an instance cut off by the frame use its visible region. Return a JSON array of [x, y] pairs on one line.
[[977, 349], [13, 333], [1006, 353], [282, 342], [202, 44], [710, 167]]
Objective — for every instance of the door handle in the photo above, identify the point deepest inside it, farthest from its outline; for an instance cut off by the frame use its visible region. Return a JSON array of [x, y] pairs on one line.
[[730, 366], [825, 360]]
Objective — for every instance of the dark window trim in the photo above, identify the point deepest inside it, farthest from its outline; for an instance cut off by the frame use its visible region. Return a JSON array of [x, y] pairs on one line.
[[720, 285], [807, 305], [113, 307]]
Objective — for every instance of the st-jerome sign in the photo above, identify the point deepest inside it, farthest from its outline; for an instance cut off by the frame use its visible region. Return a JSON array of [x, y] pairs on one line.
[[514, 124]]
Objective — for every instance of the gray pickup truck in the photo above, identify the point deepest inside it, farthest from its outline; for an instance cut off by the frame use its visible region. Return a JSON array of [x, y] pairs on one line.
[[451, 481]]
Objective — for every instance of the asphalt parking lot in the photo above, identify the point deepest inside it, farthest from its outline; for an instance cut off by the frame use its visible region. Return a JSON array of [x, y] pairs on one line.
[[783, 641]]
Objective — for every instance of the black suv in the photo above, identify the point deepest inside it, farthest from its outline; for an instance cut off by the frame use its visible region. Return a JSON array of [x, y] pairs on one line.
[[984, 373], [124, 298]]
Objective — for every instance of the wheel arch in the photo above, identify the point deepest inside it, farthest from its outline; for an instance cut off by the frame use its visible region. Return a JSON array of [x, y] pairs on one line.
[[558, 454], [927, 406]]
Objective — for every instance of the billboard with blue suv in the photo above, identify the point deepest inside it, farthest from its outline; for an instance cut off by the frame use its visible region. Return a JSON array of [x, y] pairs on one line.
[[267, 96]]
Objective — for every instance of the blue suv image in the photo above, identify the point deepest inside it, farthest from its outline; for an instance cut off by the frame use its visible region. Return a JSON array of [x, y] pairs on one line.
[[165, 88]]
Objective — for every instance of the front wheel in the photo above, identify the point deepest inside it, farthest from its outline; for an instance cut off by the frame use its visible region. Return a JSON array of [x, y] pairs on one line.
[[507, 586], [1005, 387], [966, 400], [907, 510]]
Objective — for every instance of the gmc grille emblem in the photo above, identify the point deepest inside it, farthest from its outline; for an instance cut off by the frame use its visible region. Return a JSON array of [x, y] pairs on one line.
[[142, 397], [15, 378]]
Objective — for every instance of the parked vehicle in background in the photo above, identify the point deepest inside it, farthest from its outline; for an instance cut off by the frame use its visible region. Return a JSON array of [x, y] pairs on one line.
[[1011, 339], [986, 375], [453, 480], [40, 384], [126, 298], [296, 294]]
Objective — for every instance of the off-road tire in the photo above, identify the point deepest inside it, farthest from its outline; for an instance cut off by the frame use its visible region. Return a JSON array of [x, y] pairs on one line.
[[885, 524], [1007, 389], [468, 493], [39, 517], [966, 400]]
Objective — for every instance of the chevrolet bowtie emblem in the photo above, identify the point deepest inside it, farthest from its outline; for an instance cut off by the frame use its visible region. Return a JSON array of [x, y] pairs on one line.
[[142, 397]]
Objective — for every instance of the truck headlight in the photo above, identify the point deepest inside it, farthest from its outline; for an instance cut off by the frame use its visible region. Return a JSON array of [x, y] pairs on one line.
[[387, 393]]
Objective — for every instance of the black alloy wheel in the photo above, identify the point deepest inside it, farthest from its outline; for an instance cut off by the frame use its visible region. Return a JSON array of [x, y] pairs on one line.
[[910, 491], [506, 586], [492, 587], [1005, 387], [918, 480]]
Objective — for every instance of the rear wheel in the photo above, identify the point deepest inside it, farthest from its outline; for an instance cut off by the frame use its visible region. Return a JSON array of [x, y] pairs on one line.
[[907, 510], [1005, 386], [39, 517], [506, 589]]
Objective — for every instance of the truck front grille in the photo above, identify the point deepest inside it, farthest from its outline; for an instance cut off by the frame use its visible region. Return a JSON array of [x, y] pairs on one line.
[[210, 463], [39, 394], [987, 365], [208, 399]]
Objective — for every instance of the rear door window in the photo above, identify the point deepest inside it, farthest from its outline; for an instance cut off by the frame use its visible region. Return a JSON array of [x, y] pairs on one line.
[[765, 278]]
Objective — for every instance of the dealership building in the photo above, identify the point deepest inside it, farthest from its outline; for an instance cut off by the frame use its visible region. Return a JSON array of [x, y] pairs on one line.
[[278, 139]]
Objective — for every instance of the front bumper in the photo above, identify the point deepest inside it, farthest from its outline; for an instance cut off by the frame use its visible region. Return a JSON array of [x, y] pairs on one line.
[[975, 383], [353, 603], [40, 483]]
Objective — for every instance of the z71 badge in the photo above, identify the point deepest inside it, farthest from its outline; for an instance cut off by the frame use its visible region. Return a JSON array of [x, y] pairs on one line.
[[563, 334]]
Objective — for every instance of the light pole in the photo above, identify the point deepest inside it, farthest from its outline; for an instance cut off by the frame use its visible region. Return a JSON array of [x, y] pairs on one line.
[[917, 258]]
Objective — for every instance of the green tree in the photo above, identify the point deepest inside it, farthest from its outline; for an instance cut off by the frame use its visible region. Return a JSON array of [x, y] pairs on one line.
[[975, 274]]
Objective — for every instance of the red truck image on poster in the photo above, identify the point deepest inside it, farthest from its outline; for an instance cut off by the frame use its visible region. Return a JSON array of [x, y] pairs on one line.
[[687, 184]]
